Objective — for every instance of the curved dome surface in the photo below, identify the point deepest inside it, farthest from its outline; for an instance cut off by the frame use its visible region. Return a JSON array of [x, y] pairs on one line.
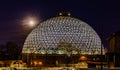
[[63, 35]]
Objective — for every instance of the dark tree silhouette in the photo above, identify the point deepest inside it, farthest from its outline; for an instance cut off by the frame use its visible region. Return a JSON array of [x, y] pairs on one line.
[[13, 50], [10, 51], [3, 52]]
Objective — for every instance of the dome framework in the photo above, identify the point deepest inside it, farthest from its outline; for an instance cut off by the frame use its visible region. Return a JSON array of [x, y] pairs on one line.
[[63, 35]]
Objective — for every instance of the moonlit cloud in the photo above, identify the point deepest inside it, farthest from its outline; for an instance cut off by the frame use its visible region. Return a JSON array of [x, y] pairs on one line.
[[30, 21]]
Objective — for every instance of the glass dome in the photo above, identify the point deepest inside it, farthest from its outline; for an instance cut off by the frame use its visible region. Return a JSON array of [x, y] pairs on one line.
[[62, 35]]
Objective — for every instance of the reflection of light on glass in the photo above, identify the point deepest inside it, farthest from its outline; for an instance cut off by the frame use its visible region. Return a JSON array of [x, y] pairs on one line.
[[74, 52], [50, 51], [96, 52], [42, 51], [28, 51], [60, 52]]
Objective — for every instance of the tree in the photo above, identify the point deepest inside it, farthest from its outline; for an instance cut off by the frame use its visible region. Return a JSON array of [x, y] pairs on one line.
[[2, 52], [13, 50]]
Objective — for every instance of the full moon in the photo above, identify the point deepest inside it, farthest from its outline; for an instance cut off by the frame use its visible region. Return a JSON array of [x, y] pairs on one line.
[[30, 21]]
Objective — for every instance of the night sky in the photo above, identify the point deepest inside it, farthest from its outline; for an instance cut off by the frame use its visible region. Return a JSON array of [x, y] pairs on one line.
[[102, 15]]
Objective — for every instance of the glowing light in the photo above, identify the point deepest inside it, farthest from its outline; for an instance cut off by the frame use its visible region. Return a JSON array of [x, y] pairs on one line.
[[69, 14], [82, 65], [56, 62], [40, 63], [83, 58], [60, 14], [30, 21], [35, 62]]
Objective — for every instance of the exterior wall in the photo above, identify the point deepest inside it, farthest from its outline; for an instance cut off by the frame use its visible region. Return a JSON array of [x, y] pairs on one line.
[[117, 44], [112, 44], [53, 60], [47, 60], [115, 49]]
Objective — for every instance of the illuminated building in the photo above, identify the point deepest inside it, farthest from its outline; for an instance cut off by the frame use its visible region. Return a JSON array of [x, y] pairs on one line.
[[59, 39], [114, 55]]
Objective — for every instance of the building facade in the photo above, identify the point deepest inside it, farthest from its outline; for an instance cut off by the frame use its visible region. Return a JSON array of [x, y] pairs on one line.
[[114, 55]]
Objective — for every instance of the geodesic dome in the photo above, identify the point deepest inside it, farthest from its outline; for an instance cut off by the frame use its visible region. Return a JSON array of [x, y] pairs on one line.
[[63, 35]]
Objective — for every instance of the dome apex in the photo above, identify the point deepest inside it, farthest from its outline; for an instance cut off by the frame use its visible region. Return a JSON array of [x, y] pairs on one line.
[[64, 14]]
